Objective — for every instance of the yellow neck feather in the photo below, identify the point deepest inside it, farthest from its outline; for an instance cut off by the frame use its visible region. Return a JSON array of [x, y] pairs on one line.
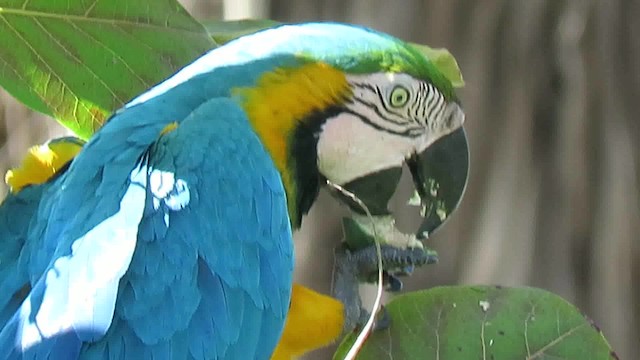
[[282, 99], [40, 164]]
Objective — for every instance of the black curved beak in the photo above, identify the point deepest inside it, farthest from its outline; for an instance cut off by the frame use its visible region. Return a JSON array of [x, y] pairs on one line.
[[440, 175]]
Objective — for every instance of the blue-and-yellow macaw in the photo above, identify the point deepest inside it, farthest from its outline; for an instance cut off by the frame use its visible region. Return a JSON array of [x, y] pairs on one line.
[[313, 320], [171, 229]]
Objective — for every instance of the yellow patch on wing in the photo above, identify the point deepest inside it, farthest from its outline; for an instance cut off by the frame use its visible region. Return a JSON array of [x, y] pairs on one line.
[[41, 163], [169, 128], [314, 321], [282, 98]]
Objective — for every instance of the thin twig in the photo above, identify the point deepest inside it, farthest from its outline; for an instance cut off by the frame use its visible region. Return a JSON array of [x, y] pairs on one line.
[[367, 329]]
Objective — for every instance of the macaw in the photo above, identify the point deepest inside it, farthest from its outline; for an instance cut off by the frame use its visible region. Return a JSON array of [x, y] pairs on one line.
[[313, 320], [172, 228]]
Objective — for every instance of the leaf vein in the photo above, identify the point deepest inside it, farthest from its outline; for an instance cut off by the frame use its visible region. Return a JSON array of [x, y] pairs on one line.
[[113, 52], [555, 341], [99, 20], [90, 8], [143, 43], [45, 64], [15, 71], [482, 339], [80, 62]]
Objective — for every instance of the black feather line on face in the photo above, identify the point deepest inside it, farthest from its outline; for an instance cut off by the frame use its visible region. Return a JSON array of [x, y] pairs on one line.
[[304, 158]]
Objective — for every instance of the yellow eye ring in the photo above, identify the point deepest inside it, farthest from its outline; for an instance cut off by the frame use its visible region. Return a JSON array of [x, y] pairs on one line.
[[399, 96]]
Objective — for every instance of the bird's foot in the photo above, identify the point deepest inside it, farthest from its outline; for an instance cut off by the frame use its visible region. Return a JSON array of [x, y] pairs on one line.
[[352, 267], [395, 263]]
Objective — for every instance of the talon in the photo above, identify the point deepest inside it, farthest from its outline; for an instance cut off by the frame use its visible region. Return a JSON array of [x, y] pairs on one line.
[[406, 271], [432, 257], [392, 282], [383, 320]]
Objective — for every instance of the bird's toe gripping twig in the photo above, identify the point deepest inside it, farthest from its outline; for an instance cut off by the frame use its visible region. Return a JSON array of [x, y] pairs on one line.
[[353, 267]]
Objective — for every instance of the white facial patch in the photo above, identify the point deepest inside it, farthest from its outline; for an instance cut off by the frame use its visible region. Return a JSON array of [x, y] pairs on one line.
[[383, 127], [348, 148]]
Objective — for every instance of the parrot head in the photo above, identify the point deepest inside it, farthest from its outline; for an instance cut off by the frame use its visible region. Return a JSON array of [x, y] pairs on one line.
[[353, 103], [329, 101], [357, 102]]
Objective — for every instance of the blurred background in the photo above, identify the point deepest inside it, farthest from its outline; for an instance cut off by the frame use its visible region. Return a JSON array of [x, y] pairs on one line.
[[552, 99]]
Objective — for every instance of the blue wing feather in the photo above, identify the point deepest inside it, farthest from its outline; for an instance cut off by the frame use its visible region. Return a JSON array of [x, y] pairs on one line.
[[229, 248], [15, 214], [23, 257], [209, 278], [73, 300]]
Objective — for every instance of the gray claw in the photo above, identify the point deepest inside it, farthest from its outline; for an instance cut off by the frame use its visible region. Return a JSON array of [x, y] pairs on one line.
[[383, 320], [406, 271], [353, 267], [392, 282]]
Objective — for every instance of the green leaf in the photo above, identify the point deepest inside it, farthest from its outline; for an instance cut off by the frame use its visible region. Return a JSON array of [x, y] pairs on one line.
[[483, 322], [354, 236], [79, 60], [445, 62], [224, 31]]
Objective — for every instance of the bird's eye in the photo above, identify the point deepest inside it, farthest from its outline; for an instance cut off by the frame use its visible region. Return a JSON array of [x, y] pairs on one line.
[[399, 96]]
